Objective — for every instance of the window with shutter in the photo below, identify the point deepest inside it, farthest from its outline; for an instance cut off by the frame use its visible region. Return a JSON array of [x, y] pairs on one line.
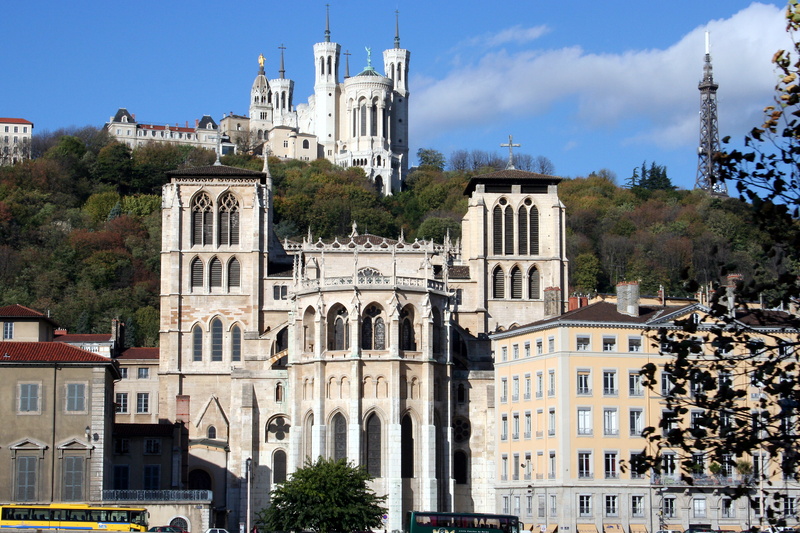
[[534, 231], [498, 283], [497, 230], [228, 220], [215, 267], [509, 231], [516, 283], [201, 220], [234, 273], [522, 230], [534, 292], [197, 274]]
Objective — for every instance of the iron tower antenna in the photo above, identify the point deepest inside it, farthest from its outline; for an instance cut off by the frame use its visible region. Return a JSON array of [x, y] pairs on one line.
[[708, 178]]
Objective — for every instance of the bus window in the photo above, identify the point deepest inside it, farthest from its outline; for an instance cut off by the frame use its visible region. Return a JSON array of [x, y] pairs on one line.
[[22, 513], [77, 516], [59, 514]]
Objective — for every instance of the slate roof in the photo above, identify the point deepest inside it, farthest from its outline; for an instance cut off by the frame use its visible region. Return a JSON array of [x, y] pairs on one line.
[[143, 430], [216, 170], [140, 353], [47, 352], [510, 176], [122, 112], [767, 319], [205, 121]]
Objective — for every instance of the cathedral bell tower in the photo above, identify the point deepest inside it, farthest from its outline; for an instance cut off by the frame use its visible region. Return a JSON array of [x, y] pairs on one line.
[[326, 65], [261, 110]]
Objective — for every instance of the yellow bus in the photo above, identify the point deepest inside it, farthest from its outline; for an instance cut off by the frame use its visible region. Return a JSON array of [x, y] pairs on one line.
[[72, 516]]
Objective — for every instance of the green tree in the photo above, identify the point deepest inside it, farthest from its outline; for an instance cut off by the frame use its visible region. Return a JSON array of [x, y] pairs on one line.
[[435, 229], [325, 497], [586, 277], [428, 157]]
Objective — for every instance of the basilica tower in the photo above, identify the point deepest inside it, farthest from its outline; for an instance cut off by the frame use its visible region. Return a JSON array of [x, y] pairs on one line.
[[395, 62], [326, 93], [261, 109]]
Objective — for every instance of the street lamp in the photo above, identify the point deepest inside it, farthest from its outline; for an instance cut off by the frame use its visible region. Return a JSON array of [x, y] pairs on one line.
[[248, 466]]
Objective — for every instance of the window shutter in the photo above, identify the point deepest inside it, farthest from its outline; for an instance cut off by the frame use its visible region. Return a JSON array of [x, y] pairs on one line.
[[533, 285], [234, 273], [498, 283], [197, 273], [522, 230], [509, 230], [497, 230], [216, 272], [534, 231], [516, 283]]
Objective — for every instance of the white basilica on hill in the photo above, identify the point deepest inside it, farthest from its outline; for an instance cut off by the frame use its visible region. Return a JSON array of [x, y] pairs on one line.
[[359, 120]]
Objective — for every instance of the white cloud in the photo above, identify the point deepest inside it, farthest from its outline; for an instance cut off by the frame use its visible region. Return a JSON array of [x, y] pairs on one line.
[[653, 93], [513, 35]]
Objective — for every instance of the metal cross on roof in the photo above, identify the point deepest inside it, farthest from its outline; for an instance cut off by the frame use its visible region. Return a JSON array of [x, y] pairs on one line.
[[510, 146]]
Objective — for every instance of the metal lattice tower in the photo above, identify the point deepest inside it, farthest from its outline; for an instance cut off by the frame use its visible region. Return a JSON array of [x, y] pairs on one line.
[[708, 178]]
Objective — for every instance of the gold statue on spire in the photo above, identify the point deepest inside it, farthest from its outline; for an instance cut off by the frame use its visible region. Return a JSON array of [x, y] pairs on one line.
[[261, 60]]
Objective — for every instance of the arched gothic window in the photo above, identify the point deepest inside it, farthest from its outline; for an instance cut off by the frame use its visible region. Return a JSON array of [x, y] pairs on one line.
[[196, 273], [522, 230], [516, 283], [437, 331], [407, 341], [216, 340], [460, 467], [279, 467], [534, 231], [339, 437], [215, 273], [279, 392], [305, 144], [373, 446], [509, 230], [212, 432], [498, 283], [461, 393], [407, 447], [202, 220], [534, 289], [197, 344], [373, 331], [363, 110], [234, 274], [236, 344], [228, 220], [497, 230], [277, 429], [340, 330]]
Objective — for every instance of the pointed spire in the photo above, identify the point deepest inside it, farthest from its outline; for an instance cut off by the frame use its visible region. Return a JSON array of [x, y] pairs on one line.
[[327, 23], [347, 63], [282, 70], [397, 29]]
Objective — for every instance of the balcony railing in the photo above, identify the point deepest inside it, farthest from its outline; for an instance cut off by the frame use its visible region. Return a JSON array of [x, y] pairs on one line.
[[158, 495]]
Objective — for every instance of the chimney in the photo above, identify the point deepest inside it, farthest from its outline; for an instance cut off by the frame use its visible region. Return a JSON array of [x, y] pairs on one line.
[[662, 296], [182, 407], [134, 116], [552, 301], [577, 302], [187, 123], [196, 123], [628, 298], [60, 331]]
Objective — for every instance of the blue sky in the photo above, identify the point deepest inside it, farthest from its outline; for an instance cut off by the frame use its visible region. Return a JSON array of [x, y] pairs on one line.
[[588, 85]]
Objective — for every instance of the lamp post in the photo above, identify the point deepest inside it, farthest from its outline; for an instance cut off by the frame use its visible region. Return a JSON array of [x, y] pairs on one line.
[[248, 466]]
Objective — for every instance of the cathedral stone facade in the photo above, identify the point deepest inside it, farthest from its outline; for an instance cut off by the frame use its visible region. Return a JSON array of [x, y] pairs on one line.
[[366, 348]]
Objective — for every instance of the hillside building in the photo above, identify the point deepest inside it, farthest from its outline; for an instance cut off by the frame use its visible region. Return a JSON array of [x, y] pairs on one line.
[[15, 140]]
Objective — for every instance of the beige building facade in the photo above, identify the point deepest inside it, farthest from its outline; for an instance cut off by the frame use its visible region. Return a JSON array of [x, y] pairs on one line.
[[571, 411]]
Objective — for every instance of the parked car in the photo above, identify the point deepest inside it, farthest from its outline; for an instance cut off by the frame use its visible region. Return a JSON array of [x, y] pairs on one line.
[[700, 530], [166, 529], [669, 531], [216, 530]]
